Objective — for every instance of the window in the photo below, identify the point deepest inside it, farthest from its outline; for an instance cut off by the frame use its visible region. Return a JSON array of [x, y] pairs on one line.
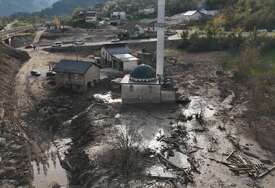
[[131, 88], [76, 76]]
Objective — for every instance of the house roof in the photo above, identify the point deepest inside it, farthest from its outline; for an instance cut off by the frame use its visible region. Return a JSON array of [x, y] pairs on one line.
[[190, 13], [116, 49], [126, 57], [71, 66], [209, 12]]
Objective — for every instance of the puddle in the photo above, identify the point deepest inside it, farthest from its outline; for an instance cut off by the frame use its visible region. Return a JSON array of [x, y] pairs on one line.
[[46, 173]]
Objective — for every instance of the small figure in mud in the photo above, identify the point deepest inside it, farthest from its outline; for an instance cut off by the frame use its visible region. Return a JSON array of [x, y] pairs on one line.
[[199, 118], [54, 185]]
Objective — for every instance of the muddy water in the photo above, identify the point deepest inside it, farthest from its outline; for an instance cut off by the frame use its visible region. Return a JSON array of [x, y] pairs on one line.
[[50, 171]]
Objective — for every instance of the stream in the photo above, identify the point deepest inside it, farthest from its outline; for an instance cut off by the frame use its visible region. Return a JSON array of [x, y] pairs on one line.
[[49, 172]]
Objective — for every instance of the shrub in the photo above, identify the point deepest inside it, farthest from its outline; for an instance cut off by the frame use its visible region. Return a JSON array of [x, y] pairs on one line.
[[200, 43], [125, 160]]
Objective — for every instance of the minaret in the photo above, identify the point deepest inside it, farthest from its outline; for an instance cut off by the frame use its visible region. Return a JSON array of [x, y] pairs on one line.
[[160, 42]]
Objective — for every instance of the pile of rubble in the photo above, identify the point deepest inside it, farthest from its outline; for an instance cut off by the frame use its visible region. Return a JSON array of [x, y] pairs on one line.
[[239, 164], [176, 155]]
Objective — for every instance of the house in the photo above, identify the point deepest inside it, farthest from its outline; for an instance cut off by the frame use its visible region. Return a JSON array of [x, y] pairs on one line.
[[210, 13], [147, 11], [192, 15], [142, 86], [77, 75], [135, 31], [117, 56], [90, 16], [51, 26], [118, 16]]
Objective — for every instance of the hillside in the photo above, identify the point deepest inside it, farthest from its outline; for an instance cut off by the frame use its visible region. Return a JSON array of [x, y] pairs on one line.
[[172, 6], [8, 7], [66, 7], [10, 62], [248, 14]]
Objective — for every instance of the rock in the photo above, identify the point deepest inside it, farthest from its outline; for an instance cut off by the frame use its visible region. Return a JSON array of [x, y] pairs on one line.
[[3, 141], [227, 103], [59, 110], [7, 185], [2, 113], [117, 116], [221, 128], [183, 100], [44, 111]]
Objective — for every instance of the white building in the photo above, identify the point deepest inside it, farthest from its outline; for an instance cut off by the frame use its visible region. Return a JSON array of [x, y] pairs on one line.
[[90, 16], [147, 11], [143, 85], [77, 75], [118, 57], [118, 15], [193, 15]]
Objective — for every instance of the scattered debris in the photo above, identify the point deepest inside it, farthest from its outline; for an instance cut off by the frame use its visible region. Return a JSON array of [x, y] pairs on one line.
[[239, 163]]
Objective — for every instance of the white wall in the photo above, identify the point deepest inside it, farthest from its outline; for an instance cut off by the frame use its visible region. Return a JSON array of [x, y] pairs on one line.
[[129, 66], [194, 17], [140, 93], [93, 74]]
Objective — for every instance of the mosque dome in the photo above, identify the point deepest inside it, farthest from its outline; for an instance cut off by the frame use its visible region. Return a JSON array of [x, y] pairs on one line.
[[143, 73]]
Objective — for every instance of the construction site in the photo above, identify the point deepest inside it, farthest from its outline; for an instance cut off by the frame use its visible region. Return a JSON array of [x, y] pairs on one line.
[[180, 121]]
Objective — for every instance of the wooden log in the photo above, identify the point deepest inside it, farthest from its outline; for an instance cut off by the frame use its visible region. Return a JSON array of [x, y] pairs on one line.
[[266, 173], [232, 153]]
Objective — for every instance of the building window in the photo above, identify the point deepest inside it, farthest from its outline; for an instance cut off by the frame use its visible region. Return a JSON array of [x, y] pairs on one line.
[[131, 88], [151, 89], [76, 77]]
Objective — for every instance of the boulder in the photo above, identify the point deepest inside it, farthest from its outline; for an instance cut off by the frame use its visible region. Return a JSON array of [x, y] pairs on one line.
[[2, 113]]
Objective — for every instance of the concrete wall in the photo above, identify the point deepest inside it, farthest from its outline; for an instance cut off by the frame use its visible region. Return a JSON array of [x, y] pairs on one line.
[[93, 74], [68, 80], [78, 81], [129, 66], [140, 93], [168, 96]]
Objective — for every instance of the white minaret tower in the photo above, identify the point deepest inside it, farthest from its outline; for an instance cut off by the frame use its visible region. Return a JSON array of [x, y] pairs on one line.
[[160, 42]]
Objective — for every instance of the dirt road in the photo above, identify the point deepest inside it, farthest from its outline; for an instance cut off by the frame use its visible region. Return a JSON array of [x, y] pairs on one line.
[[29, 89]]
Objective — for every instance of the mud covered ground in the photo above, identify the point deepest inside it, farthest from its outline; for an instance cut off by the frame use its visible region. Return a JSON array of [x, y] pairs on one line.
[[92, 140], [192, 144]]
